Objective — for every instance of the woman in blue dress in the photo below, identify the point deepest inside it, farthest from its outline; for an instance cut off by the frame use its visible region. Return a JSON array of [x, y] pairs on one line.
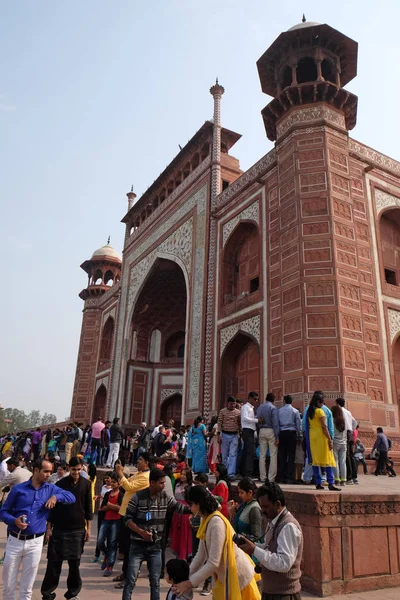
[[198, 444]]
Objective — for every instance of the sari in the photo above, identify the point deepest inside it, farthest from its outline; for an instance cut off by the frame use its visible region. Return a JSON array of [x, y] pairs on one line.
[[199, 449], [229, 589]]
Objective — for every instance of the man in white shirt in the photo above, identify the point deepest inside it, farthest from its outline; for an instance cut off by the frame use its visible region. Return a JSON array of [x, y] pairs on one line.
[[249, 422], [281, 552], [350, 424], [156, 429], [15, 474]]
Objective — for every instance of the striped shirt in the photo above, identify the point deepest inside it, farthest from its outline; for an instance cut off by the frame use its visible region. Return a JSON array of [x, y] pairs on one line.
[[151, 513], [229, 420]]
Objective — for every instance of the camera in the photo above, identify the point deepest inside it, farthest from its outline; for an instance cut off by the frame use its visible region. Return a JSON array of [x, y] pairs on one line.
[[238, 539], [154, 535]]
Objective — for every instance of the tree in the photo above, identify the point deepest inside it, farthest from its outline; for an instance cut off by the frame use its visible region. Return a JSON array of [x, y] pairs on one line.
[[15, 420], [48, 419]]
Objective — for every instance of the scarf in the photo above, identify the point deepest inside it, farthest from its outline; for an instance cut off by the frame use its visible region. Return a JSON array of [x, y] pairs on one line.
[[228, 589]]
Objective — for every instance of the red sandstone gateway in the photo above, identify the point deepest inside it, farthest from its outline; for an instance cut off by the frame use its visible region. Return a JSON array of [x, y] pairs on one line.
[[285, 278]]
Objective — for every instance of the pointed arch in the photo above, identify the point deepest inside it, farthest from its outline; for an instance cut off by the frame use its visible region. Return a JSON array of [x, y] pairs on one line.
[[240, 367], [106, 344], [99, 404], [241, 263]]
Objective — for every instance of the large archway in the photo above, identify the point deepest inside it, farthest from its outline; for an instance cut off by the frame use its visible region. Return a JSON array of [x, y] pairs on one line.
[[171, 408], [99, 404], [158, 322], [240, 368]]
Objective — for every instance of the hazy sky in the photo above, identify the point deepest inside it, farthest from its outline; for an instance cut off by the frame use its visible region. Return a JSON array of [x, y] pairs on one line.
[[96, 96]]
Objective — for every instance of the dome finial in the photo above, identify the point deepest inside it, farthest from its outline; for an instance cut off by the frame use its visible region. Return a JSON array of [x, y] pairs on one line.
[[108, 241], [132, 188], [304, 18]]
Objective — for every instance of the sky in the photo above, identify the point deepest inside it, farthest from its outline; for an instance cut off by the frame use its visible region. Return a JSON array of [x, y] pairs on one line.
[[95, 96]]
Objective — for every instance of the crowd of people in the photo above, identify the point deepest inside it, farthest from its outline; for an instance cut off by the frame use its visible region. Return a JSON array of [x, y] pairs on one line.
[[179, 495]]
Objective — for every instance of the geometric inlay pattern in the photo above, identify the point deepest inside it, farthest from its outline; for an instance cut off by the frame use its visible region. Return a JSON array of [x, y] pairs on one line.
[[250, 326], [167, 393], [250, 213], [384, 200], [394, 323]]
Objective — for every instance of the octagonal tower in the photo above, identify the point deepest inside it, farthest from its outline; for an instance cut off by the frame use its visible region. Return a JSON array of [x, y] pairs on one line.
[[308, 64]]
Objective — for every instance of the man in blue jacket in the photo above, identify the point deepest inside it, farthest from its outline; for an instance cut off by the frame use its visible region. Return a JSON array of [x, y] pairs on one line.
[[25, 512]]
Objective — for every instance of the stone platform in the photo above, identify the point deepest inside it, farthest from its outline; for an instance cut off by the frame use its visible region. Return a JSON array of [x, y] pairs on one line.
[[351, 538]]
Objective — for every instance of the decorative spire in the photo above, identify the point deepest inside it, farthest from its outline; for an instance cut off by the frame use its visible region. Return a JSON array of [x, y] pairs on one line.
[[131, 198], [304, 18], [108, 241], [217, 89]]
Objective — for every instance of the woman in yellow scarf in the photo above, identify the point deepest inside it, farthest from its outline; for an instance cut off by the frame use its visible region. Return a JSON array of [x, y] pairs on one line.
[[218, 556]]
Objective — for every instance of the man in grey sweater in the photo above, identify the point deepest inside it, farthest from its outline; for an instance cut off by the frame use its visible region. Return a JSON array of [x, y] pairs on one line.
[[281, 552]]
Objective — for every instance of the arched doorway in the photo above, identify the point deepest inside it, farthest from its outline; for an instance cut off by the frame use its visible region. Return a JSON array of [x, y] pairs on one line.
[[106, 345], [240, 368], [99, 405], [158, 323], [171, 408], [396, 366]]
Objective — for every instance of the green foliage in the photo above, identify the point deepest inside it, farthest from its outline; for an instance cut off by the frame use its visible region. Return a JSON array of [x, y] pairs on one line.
[[14, 420]]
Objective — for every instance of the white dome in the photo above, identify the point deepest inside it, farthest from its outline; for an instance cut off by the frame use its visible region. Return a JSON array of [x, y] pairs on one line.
[[303, 25], [107, 251]]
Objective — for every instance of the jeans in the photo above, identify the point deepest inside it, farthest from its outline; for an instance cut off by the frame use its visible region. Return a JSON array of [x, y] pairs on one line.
[[95, 445], [229, 447], [330, 475], [21, 554], [339, 451], [139, 552], [248, 453], [124, 545], [381, 462], [286, 455], [351, 465], [104, 455], [266, 438], [114, 453], [52, 578], [109, 531], [364, 464]]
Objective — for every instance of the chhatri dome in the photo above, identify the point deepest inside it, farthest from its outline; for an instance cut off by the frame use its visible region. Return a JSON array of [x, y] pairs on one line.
[[304, 24], [105, 252]]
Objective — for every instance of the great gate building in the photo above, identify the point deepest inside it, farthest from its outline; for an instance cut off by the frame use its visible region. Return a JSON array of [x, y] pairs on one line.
[[283, 278]]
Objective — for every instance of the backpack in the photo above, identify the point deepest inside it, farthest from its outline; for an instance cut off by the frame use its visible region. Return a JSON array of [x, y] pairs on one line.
[[389, 444]]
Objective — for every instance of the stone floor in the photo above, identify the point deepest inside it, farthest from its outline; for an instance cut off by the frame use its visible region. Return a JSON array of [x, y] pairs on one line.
[[97, 587], [368, 484]]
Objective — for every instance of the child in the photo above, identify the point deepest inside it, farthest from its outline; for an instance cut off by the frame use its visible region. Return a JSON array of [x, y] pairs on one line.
[[109, 529], [176, 572], [359, 450], [100, 514], [389, 467]]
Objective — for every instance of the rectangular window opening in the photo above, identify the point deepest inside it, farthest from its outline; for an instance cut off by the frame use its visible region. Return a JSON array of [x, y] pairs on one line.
[[390, 277], [225, 184], [254, 284]]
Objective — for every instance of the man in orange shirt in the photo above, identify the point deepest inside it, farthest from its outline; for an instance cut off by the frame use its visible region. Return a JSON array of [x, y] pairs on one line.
[[131, 485]]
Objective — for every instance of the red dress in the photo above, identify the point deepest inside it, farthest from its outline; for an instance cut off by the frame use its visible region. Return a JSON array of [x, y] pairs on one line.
[[181, 532], [221, 490]]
